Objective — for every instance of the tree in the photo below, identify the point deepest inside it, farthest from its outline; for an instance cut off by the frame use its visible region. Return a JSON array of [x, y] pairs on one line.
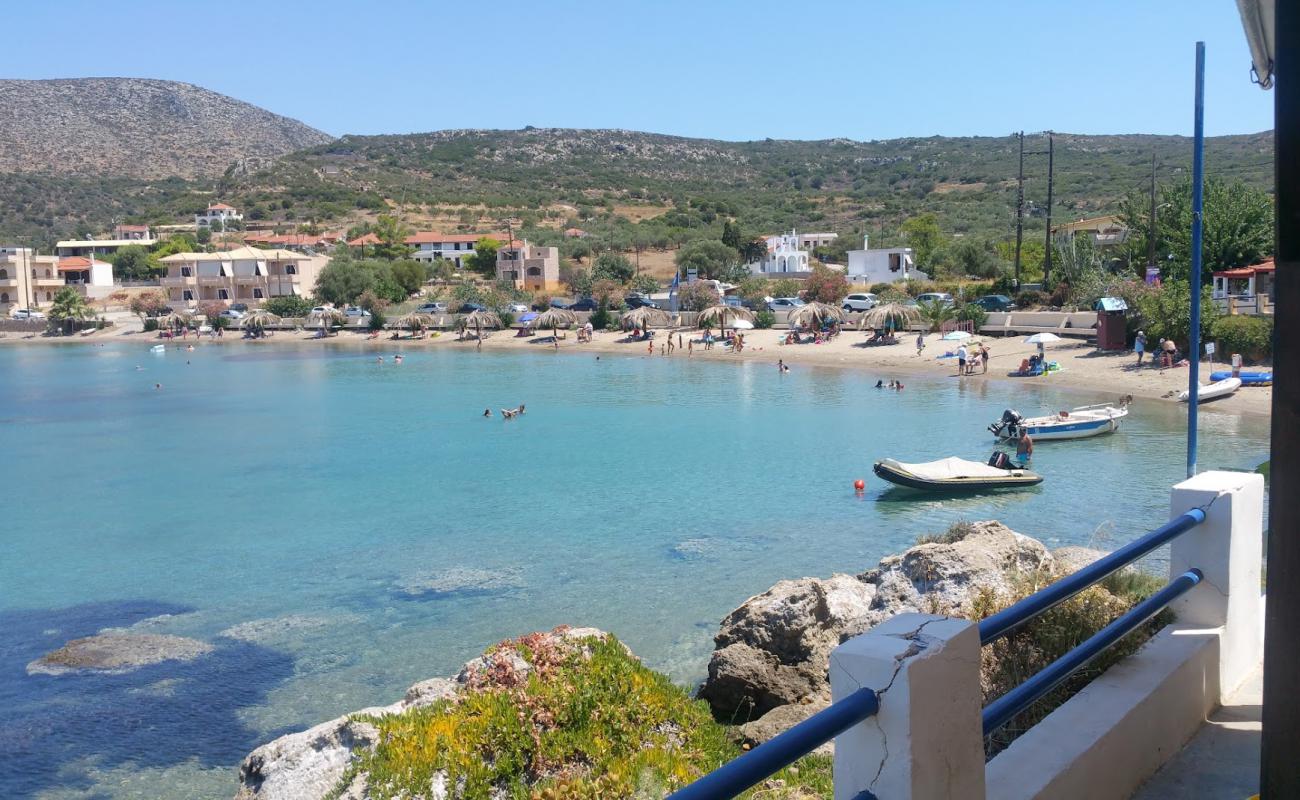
[[924, 237], [69, 308], [341, 283], [977, 259], [180, 243], [614, 267], [288, 306], [579, 249], [371, 302], [392, 235], [696, 297], [826, 285], [753, 251], [1166, 312], [203, 235], [148, 304], [731, 235], [784, 287], [1237, 227], [484, 260], [707, 257], [134, 262], [936, 312], [211, 309], [410, 274]]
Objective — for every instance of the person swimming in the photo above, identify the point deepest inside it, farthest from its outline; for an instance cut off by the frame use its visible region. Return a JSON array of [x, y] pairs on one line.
[[397, 359], [487, 412], [880, 384]]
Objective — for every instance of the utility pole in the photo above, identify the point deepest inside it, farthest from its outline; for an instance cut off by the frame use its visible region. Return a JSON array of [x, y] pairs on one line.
[[1047, 250], [1151, 235], [1020, 206]]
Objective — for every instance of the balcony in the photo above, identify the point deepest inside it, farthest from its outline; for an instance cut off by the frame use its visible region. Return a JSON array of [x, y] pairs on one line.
[[215, 280], [177, 280], [54, 280], [251, 280], [8, 281]]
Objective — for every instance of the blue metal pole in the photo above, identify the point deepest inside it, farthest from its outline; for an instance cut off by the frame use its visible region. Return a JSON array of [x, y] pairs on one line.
[[1000, 711], [1198, 178], [768, 758]]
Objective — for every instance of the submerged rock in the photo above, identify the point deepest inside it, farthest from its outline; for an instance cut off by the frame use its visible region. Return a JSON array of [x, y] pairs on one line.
[[773, 650], [117, 653], [459, 580]]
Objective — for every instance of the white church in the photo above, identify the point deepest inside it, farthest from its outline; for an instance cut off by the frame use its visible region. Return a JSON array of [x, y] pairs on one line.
[[784, 257]]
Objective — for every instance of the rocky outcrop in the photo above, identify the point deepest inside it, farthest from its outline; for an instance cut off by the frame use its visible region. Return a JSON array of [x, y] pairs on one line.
[[310, 765], [772, 651], [111, 652]]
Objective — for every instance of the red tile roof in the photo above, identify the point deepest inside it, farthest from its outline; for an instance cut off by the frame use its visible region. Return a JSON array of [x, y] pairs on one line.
[[220, 207], [365, 239], [1246, 272], [76, 263]]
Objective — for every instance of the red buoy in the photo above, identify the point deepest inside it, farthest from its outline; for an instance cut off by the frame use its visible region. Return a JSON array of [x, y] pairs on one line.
[[859, 484]]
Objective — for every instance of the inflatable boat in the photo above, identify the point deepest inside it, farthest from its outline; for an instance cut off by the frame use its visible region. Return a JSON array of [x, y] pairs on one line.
[[954, 475], [1247, 378], [1077, 423], [1212, 391]]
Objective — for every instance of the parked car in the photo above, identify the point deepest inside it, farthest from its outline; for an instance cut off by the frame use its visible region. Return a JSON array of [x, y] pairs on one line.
[[160, 312], [585, 304], [639, 301], [860, 301], [321, 309], [784, 303], [432, 308], [26, 313], [517, 308], [356, 312], [240, 307], [556, 302], [470, 308], [929, 297], [995, 302], [232, 313], [733, 301]]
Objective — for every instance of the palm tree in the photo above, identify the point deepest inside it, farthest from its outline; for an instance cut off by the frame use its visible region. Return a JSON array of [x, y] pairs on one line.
[[719, 314], [936, 312], [70, 308]]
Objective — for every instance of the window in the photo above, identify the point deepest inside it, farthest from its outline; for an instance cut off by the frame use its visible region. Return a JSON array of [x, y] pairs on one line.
[[222, 294], [534, 271], [257, 294], [4, 274], [187, 296], [186, 272], [4, 298], [290, 269], [48, 297]]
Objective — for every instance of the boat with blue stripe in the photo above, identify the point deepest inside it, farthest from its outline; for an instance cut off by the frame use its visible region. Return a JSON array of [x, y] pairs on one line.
[[1076, 423]]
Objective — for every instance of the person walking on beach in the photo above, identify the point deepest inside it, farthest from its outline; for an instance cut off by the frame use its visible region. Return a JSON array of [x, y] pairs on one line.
[[962, 354], [1140, 345], [690, 347], [679, 341], [670, 344], [920, 342]]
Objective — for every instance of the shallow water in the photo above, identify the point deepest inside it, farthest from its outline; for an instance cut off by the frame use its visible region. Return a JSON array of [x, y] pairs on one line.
[[341, 529]]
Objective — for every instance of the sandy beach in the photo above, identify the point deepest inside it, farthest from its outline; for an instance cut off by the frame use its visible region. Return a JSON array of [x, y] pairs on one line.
[[1082, 367]]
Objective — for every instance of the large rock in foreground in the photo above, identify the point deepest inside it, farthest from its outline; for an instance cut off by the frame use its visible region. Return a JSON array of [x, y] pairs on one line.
[[773, 650], [117, 653]]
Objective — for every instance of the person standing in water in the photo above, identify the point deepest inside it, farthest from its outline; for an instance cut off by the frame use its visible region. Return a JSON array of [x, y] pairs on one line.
[[1024, 447]]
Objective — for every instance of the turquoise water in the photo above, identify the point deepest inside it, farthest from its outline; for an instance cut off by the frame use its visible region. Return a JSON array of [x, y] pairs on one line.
[[341, 529]]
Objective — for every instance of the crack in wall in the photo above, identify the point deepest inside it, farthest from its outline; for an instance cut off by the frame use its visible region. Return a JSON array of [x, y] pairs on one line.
[[916, 647]]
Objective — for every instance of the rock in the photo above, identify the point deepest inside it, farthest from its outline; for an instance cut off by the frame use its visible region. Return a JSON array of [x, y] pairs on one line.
[[781, 719], [428, 692], [117, 653], [774, 649], [459, 580], [1072, 558], [260, 631]]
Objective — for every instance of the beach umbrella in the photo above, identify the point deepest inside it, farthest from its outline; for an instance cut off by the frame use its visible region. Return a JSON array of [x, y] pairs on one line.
[[174, 320], [720, 313], [324, 318], [890, 315], [414, 321], [1041, 339], [553, 318], [258, 318], [956, 336], [644, 317], [814, 314], [480, 318]]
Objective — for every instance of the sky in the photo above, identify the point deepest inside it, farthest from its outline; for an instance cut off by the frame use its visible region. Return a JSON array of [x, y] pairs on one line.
[[871, 69]]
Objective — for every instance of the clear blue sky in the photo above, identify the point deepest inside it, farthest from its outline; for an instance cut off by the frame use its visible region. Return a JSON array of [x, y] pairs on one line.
[[734, 70]]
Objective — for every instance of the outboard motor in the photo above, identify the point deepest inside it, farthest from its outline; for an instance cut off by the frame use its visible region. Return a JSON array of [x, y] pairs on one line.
[[1000, 460], [1001, 429]]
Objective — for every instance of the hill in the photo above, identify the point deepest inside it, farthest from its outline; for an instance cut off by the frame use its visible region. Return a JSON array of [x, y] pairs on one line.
[[132, 128]]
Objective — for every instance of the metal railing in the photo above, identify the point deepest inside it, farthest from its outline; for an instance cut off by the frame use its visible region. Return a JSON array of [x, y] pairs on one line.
[[783, 750]]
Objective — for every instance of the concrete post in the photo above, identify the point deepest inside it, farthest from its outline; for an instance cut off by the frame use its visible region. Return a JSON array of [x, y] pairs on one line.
[[926, 742], [1228, 549]]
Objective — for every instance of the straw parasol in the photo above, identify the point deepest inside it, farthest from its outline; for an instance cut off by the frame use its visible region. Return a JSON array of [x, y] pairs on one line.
[[644, 317], [174, 320], [480, 319], [324, 318], [719, 314], [890, 315], [414, 321], [553, 318], [258, 319], [815, 314]]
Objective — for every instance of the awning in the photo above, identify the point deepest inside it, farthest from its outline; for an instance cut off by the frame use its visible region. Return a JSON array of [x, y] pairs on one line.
[[1243, 272], [1257, 20], [1111, 304]]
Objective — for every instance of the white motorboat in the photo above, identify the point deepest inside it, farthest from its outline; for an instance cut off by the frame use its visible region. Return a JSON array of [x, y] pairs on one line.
[[1212, 391], [158, 348], [1077, 423], [955, 475]]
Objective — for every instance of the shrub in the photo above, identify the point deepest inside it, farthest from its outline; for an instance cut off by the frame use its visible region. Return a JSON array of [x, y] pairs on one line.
[[288, 306], [377, 320], [973, 313], [1031, 299], [600, 318], [1061, 294], [764, 319], [1166, 313], [150, 324], [507, 319], [1252, 337]]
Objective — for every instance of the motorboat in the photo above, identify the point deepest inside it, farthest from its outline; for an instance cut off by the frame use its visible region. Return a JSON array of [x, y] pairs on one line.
[[1077, 423], [158, 348], [1247, 378], [955, 475], [1212, 391]]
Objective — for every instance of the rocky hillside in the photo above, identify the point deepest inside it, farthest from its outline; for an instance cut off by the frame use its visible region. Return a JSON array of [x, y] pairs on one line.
[[127, 127]]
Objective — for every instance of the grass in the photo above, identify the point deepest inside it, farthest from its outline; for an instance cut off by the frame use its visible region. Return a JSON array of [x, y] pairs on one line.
[[588, 721], [956, 532]]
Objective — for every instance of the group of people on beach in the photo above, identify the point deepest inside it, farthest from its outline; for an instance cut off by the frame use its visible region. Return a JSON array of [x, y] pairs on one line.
[[1166, 354], [968, 358]]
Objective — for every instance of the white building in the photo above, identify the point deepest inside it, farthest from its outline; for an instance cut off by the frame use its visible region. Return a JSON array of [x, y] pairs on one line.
[[811, 241], [96, 247], [92, 277], [784, 257], [453, 247], [883, 265], [219, 216]]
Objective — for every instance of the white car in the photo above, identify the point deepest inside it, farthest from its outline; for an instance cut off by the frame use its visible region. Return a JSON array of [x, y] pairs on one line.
[[518, 308], [784, 304], [930, 297], [26, 313], [231, 313], [356, 311], [861, 301]]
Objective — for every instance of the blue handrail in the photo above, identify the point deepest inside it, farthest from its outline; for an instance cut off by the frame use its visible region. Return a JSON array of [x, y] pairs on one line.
[[736, 776], [997, 713], [1000, 624]]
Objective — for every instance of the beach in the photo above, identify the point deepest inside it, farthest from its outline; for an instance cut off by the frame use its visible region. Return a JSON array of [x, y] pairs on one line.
[[1083, 368]]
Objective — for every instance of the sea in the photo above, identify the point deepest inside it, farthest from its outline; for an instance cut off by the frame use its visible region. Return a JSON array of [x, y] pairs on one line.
[[338, 526]]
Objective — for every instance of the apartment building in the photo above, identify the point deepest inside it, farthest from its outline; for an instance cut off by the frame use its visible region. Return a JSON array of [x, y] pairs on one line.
[[243, 275], [26, 279], [529, 267], [453, 247]]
